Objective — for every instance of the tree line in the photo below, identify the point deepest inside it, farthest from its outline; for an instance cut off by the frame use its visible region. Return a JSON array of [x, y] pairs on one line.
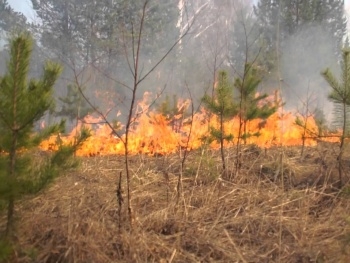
[[84, 34]]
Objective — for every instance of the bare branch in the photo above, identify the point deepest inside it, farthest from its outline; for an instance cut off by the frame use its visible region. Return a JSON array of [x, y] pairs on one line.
[[166, 54], [126, 53]]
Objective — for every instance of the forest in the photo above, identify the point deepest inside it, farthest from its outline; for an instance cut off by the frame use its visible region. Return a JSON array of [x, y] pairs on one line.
[[175, 131]]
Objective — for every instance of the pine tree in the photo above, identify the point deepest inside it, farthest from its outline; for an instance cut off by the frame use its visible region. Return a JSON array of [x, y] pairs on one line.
[[340, 96], [223, 106], [245, 42], [284, 18], [74, 106], [94, 32], [22, 104], [173, 112], [9, 18], [168, 107], [251, 104]]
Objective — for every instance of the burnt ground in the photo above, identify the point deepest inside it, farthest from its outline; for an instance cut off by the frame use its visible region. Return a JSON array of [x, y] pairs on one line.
[[279, 207]]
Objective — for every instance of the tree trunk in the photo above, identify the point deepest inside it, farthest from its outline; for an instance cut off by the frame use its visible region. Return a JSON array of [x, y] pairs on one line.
[[222, 144], [342, 139], [12, 174]]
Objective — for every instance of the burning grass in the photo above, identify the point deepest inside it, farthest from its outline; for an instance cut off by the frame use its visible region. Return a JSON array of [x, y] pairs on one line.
[[153, 132], [276, 210]]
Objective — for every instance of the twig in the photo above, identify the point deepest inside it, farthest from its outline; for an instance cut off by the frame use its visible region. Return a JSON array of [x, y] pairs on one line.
[[120, 200], [235, 247]]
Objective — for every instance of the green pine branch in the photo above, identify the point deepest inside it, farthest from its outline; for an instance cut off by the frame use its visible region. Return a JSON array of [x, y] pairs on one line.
[[251, 106], [22, 103], [340, 96], [223, 106]]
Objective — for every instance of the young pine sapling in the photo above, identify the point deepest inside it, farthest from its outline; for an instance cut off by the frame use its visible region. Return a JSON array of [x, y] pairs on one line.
[[340, 96], [22, 104], [222, 105], [251, 105]]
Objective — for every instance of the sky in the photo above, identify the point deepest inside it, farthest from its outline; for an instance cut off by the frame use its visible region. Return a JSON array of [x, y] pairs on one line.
[[24, 6]]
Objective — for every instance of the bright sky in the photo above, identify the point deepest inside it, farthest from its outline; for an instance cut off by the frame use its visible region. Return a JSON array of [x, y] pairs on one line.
[[24, 6]]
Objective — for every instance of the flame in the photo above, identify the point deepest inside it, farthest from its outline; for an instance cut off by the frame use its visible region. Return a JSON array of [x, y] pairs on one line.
[[153, 133]]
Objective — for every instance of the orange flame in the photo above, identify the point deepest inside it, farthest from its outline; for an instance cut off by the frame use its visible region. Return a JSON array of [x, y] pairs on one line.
[[153, 133]]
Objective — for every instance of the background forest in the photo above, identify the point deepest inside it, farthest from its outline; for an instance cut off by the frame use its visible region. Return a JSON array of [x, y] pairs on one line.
[[289, 41]]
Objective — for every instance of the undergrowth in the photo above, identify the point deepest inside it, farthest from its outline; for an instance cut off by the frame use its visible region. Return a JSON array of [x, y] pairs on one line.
[[255, 217]]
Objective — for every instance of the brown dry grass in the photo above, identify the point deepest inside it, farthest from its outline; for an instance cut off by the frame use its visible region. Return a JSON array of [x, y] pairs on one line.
[[257, 217]]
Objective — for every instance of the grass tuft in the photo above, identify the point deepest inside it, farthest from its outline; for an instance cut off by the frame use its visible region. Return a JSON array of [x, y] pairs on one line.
[[256, 217]]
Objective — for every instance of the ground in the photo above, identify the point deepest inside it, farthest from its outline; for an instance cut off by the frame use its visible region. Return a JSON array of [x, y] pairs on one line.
[[279, 207]]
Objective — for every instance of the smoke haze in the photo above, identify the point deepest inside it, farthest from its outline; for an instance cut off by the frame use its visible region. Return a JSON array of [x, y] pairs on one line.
[[216, 41], [303, 57]]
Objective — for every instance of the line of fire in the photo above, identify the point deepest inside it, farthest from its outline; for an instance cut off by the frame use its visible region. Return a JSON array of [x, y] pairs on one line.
[[154, 133]]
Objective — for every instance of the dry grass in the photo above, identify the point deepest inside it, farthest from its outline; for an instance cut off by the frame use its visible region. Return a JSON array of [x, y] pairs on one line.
[[272, 211]]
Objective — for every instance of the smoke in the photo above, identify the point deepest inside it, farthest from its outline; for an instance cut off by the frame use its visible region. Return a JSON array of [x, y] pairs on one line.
[[217, 40], [304, 56]]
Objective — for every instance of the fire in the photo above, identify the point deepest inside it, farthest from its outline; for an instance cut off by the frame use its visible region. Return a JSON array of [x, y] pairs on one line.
[[153, 133]]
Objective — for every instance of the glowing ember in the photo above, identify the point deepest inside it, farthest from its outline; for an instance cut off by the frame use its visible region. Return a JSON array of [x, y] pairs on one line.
[[153, 133]]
